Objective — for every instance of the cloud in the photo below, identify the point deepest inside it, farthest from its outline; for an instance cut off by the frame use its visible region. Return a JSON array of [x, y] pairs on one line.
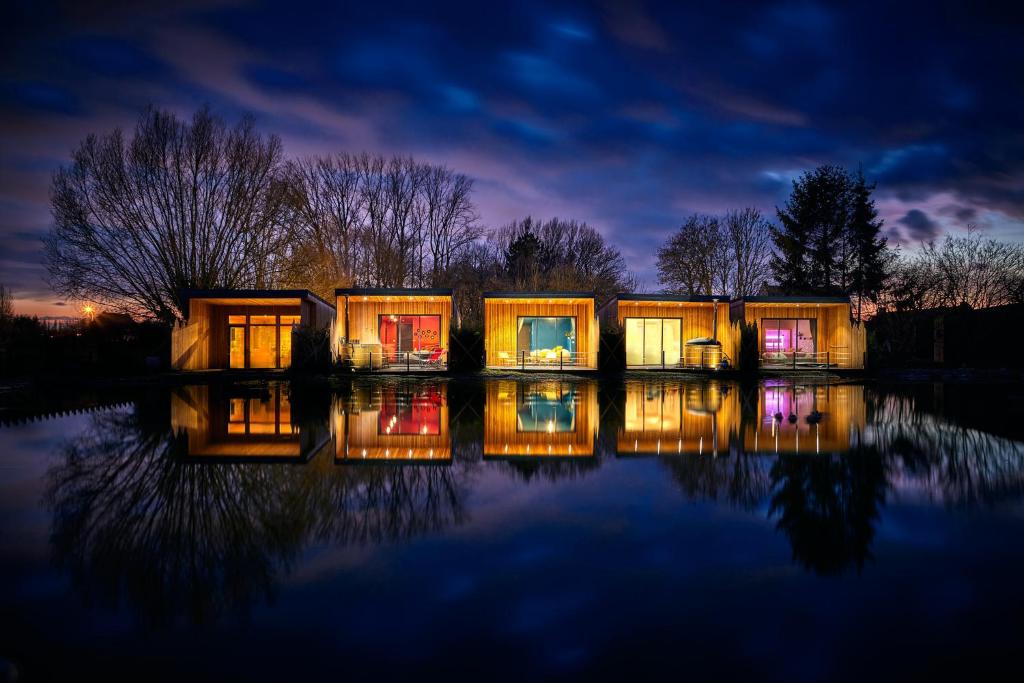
[[919, 227]]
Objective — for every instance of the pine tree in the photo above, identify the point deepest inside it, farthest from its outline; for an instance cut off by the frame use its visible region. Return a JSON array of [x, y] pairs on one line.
[[868, 273], [812, 257]]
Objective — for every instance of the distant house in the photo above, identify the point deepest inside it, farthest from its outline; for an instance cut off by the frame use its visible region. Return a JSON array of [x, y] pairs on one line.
[[540, 330], [803, 332], [395, 329], [244, 328], [669, 331]]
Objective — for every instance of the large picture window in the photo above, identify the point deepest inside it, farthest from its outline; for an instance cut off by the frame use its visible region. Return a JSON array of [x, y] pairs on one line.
[[260, 341], [653, 341], [782, 336], [414, 334], [550, 409], [546, 339]]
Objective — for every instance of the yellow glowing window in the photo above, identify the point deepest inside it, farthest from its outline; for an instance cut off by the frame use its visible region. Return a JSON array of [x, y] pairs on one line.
[[291, 319], [262, 319], [236, 347], [236, 320]]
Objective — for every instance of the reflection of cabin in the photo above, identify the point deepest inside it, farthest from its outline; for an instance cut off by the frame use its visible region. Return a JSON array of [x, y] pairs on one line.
[[828, 418], [803, 331], [540, 330], [395, 329], [540, 419], [244, 328], [667, 418], [404, 423], [666, 331], [238, 425]]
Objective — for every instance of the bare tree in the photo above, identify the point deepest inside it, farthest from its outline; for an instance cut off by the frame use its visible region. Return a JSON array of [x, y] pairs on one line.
[[748, 239], [327, 207], [450, 218], [179, 205], [6, 303], [691, 261]]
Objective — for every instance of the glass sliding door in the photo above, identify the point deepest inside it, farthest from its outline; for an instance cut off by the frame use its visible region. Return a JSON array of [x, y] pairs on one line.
[[780, 337], [260, 341], [416, 335], [543, 340], [653, 341]]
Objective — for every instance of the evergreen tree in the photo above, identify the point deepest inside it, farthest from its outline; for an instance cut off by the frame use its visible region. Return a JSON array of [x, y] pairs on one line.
[[521, 259], [868, 272], [812, 255]]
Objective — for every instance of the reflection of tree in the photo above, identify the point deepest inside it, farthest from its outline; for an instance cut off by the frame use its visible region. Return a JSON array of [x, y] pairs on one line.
[[827, 505], [549, 469], [132, 522], [739, 479], [389, 502], [949, 462]]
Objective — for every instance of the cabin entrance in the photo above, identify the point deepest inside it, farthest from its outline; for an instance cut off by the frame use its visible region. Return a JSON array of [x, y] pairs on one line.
[[260, 341]]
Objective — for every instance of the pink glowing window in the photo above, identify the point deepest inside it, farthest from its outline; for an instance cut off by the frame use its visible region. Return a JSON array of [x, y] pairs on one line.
[[785, 335]]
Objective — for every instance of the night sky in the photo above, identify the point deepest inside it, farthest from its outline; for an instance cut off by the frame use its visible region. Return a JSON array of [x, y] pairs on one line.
[[624, 115]]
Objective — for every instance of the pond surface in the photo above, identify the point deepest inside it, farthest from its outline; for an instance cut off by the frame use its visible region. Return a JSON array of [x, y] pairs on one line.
[[514, 529]]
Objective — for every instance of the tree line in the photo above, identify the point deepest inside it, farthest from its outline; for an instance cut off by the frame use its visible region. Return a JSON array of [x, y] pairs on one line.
[[199, 204]]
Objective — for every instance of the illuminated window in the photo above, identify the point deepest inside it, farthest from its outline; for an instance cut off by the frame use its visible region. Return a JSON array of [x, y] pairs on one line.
[[653, 341], [412, 334], [786, 335]]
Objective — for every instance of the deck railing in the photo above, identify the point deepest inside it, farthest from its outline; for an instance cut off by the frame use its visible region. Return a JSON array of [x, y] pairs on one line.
[[397, 361], [833, 357], [561, 360]]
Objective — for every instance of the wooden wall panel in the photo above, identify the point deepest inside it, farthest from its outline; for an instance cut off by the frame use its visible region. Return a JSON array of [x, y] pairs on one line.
[[835, 329], [501, 325], [363, 323]]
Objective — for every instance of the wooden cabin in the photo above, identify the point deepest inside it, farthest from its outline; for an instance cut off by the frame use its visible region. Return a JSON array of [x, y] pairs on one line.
[[673, 418], [242, 424], [244, 329], [809, 419], [540, 330], [395, 329], [668, 331], [402, 424], [550, 419], [803, 332]]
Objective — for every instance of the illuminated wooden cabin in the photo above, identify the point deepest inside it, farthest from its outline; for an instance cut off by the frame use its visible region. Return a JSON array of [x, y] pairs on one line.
[[244, 329], [795, 418], [540, 419], [671, 418], [803, 331], [666, 331], [395, 329], [401, 424], [231, 424], [540, 330]]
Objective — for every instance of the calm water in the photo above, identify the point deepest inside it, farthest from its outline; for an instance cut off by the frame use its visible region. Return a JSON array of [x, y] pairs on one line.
[[516, 529]]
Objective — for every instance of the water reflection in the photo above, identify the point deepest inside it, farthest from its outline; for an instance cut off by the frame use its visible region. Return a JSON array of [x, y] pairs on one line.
[[393, 423], [198, 504], [805, 418], [240, 424], [537, 420]]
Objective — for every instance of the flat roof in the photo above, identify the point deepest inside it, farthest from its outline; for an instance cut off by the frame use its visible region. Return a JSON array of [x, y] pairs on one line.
[[225, 293], [794, 299], [696, 298], [391, 291], [538, 295]]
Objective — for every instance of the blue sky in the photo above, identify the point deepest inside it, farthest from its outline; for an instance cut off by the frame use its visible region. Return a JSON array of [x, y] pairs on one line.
[[626, 115]]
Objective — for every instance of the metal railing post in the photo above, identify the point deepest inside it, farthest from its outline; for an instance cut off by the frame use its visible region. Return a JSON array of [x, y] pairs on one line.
[[560, 357], [663, 359], [828, 359], [407, 368], [522, 359], [794, 359]]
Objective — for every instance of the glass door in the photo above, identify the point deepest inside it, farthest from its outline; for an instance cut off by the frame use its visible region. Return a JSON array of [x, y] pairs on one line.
[[262, 344], [653, 341], [236, 346]]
